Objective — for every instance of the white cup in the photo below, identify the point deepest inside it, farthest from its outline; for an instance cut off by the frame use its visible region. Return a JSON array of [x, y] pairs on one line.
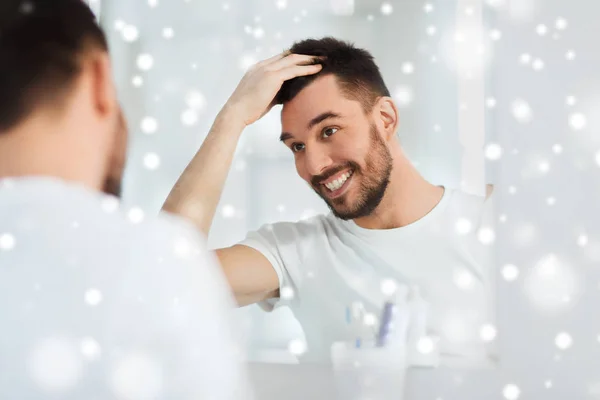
[[369, 372]]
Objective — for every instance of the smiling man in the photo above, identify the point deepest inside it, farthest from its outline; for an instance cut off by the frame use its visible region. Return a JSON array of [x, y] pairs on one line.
[[386, 222]]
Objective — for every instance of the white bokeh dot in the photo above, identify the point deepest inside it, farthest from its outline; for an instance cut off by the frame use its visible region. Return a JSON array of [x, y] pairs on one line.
[[538, 64], [297, 347], [370, 319], [548, 384], [119, 25], [7, 241], [557, 149], [151, 161], [510, 272], [495, 34], [541, 29], [168, 32], [563, 341], [550, 282], [425, 345], [463, 226], [486, 235], [561, 24], [525, 58], [137, 377], [27, 7], [93, 297], [189, 117], [145, 62], [183, 248], [431, 30], [281, 4], [286, 293], [491, 102], [247, 61], [551, 201], [582, 240], [403, 95], [387, 8], [258, 33], [511, 392], [488, 332], [598, 158], [55, 364], [571, 100], [463, 279], [130, 33], [149, 125], [90, 348], [388, 287], [110, 204], [228, 211], [577, 121], [195, 100], [408, 68], [570, 55], [493, 151], [522, 111], [137, 81], [135, 215], [428, 7]]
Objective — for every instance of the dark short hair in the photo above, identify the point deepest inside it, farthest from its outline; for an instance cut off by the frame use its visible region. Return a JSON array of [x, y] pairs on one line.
[[355, 69], [41, 44]]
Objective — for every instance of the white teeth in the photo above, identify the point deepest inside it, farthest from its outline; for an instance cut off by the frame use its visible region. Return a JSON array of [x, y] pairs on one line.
[[336, 184]]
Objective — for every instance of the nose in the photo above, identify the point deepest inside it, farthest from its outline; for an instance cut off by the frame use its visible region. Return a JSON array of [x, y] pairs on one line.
[[316, 162]]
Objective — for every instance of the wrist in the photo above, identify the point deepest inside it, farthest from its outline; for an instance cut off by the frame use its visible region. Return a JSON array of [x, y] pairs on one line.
[[232, 116]]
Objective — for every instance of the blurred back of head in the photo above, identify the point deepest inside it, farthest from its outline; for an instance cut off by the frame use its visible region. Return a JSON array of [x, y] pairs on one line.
[[41, 46], [54, 63]]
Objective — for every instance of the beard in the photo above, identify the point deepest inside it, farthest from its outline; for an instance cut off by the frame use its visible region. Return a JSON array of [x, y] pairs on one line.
[[373, 180], [113, 181], [113, 186]]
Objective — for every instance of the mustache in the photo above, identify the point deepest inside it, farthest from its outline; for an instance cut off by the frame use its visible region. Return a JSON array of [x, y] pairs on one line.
[[317, 179]]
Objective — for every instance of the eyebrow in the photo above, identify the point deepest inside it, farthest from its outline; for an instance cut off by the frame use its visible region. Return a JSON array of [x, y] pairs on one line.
[[316, 120]]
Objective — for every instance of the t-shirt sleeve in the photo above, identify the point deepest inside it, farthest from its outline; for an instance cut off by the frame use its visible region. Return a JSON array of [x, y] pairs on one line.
[[278, 243]]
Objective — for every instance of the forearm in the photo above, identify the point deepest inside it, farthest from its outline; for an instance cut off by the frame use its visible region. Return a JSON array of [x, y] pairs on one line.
[[197, 192]]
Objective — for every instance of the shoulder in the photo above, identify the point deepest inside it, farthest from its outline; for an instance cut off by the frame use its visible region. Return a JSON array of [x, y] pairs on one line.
[[470, 206], [461, 197], [291, 233]]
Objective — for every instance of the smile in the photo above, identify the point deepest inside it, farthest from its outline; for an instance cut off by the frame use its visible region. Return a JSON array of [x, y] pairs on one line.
[[338, 184]]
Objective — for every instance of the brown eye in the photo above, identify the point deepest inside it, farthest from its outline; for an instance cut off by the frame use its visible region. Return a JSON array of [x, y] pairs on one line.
[[329, 131], [296, 147]]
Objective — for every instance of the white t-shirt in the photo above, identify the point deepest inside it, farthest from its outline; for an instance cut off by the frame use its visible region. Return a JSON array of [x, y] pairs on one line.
[[98, 302], [328, 263]]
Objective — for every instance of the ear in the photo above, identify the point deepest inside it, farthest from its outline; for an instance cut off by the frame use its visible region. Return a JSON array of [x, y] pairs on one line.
[[104, 94], [386, 114], [489, 189]]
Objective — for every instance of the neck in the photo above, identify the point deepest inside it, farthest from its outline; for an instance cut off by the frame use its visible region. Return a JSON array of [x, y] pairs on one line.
[[39, 147], [408, 198]]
